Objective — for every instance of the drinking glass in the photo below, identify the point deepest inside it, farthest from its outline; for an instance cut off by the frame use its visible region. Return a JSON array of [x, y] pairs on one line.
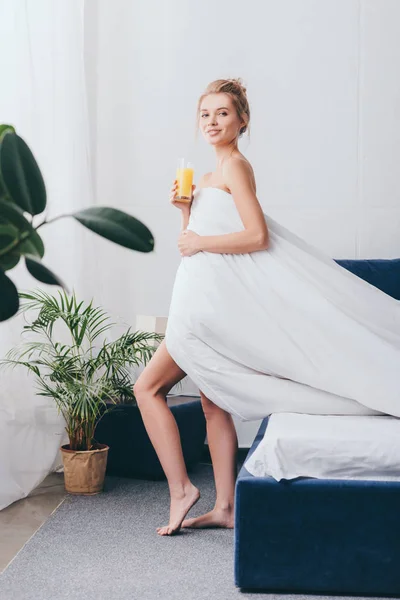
[[184, 176]]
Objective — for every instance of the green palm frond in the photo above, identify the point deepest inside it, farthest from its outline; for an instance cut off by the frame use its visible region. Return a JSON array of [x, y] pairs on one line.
[[29, 365], [82, 322], [130, 348], [29, 349], [84, 375]]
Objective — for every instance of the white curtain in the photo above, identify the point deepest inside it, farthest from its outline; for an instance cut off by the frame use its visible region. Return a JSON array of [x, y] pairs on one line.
[[43, 96]]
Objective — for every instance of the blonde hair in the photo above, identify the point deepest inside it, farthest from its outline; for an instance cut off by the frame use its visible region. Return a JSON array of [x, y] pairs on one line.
[[237, 92]]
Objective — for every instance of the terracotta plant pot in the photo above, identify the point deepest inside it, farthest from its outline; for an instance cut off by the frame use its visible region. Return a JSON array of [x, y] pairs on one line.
[[84, 470]]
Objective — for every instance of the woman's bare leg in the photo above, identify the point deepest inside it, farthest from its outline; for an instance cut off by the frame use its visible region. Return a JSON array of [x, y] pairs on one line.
[[223, 445], [151, 388]]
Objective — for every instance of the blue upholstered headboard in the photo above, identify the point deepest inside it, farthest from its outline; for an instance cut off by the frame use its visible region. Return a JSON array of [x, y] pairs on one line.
[[383, 273]]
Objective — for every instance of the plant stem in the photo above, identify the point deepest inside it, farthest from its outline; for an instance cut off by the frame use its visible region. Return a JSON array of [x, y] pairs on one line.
[[45, 222], [15, 243]]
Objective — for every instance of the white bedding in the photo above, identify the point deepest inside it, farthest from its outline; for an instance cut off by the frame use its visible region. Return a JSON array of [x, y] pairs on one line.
[[328, 447], [285, 329]]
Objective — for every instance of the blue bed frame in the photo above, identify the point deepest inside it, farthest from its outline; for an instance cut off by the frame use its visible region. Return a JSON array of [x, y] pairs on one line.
[[320, 535]]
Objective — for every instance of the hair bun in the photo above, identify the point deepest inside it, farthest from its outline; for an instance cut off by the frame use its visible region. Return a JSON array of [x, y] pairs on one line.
[[239, 82]]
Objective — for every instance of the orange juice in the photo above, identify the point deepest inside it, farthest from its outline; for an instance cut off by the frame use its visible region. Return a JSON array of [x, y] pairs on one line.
[[184, 176]]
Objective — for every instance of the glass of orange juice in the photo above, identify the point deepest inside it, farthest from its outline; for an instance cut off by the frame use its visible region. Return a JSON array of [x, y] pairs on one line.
[[184, 176]]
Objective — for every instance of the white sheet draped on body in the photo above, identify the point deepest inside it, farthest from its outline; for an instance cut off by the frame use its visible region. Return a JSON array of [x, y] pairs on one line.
[[285, 329]]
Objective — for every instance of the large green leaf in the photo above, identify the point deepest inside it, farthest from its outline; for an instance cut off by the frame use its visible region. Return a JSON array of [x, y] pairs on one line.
[[21, 175], [6, 129], [8, 235], [3, 130], [117, 226], [37, 269], [32, 245], [9, 261], [9, 301], [11, 214]]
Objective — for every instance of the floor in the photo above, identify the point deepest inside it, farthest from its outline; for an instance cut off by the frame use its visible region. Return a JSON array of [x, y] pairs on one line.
[[20, 520]]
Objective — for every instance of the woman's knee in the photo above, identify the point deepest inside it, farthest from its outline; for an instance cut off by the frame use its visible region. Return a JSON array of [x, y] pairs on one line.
[[210, 409], [140, 391], [159, 376], [145, 388]]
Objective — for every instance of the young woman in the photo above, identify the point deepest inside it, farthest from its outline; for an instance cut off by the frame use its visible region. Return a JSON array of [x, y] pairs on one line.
[[260, 320]]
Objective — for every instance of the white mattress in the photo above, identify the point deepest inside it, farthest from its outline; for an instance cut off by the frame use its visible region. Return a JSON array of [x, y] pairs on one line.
[[328, 447]]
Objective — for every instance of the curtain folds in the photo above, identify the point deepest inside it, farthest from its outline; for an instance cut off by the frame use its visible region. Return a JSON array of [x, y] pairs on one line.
[[43, 96]]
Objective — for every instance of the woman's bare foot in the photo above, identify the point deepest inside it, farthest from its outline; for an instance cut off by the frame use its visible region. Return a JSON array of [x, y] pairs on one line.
[[180, 506], [218, 517]]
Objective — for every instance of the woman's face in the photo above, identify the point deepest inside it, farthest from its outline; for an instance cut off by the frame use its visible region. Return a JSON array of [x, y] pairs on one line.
[[218, 119]]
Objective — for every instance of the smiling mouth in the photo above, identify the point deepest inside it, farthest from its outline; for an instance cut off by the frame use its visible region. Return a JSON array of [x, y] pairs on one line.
[[213, 132]]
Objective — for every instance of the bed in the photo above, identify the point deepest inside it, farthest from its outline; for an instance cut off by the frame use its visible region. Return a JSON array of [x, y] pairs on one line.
[[320, 535], [311, 535]]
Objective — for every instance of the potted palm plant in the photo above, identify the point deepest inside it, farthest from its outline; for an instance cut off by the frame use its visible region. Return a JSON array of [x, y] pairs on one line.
[[85, 376]]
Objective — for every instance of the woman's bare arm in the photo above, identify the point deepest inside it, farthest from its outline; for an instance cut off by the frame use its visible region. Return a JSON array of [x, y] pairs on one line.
[[185, 217]]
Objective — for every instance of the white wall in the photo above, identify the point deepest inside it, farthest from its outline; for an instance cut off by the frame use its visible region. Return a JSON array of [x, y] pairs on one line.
[[324, 89]]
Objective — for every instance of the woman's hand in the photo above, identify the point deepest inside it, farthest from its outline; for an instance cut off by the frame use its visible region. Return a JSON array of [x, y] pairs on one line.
[[189, 243], [179, 203]]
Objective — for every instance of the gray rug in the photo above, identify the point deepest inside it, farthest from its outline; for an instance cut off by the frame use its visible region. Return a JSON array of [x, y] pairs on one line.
[[106, 547]]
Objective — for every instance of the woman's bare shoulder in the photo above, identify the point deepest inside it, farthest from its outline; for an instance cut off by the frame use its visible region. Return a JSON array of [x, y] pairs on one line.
[[240, 159]]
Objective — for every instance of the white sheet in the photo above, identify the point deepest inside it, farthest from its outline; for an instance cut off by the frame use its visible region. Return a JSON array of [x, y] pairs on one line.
[[328, 447], [285, 329]]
